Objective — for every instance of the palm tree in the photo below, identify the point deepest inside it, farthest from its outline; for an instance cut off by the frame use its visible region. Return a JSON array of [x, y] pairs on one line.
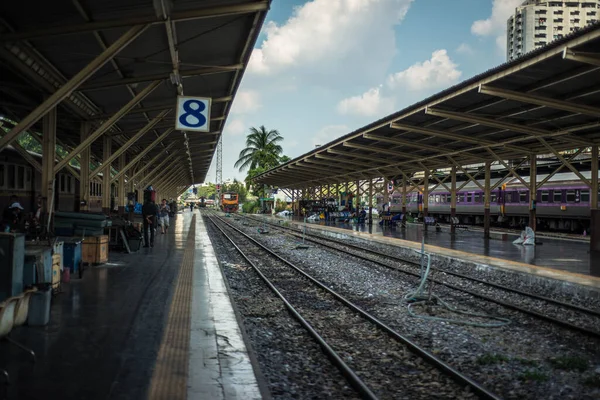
[[262, 149]]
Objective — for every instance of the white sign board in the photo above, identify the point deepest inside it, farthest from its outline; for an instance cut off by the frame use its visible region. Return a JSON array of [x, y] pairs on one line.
[[193, 114]]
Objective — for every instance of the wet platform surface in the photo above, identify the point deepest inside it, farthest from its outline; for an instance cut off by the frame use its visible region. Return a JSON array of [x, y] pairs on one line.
[[106, 330], [565, 255]]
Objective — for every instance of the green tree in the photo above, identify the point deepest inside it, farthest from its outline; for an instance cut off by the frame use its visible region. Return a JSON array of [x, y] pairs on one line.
[[284, 159], [262, 149]]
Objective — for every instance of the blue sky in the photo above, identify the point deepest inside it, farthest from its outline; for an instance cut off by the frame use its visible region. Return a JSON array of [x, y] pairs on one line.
[[323, 68]]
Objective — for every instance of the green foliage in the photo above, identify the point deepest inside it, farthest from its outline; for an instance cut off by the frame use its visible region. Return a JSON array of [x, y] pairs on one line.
[[533, 375], [209, 191], [262, 149], [570, 363], [280, 205], [251, 207], [489, 359], [284, 159]]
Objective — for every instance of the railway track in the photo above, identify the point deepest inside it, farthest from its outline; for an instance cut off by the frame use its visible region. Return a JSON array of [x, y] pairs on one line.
[[377, 361], [540, 307]]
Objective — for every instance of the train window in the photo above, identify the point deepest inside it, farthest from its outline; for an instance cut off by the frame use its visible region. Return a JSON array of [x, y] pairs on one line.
[[477, 197], [494, 197], [545, 196], [570, 196], [11, 177], [522, 197], [469, 197], [61, 177], [1, 175], [69, 187], [585, 196], [557, 196]]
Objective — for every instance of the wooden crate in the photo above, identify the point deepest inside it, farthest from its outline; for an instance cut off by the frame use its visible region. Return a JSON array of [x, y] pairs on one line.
[[95, 249]]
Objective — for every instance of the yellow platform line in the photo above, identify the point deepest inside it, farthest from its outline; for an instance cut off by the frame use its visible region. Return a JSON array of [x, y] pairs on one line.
[[169, 379]]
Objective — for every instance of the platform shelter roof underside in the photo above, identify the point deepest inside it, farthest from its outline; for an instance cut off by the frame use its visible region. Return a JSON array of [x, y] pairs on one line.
[[167, 48], [545, 102]]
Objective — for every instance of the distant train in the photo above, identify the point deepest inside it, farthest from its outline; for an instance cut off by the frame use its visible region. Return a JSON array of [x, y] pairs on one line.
[[202, 203], [229, 202], [18, 177], [562, 204]]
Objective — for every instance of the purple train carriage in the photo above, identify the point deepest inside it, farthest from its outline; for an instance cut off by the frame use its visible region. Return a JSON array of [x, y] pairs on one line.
[[563, 203]]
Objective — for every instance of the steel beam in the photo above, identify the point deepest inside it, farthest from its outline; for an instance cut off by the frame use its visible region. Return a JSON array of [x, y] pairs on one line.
[[581, 56], [380, 150], [107, 84], [453, 136], [84, 161], [123, 148], [54, 99], [540, 100], [28, 157], [528, 130], [108, 124], [148, 19], [139, 157], [160, 165], [48, 160], [122, 198], [161, 107], [568, 164], [106, 187]]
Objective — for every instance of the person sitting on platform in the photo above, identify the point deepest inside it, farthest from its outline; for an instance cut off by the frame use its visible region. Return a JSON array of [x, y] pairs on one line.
[[149, 211]]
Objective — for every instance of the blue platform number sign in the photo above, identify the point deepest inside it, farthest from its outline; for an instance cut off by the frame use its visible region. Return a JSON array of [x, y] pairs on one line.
[[193, 114]]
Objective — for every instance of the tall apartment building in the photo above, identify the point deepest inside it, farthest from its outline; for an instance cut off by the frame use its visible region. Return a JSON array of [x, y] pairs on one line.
[[539, 22]]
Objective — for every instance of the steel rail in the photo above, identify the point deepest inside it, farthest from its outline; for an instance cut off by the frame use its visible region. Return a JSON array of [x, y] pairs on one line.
[[565, 324], [415, 348], [348, 373]]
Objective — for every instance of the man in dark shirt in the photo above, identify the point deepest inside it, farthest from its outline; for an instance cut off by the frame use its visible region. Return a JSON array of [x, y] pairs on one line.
[[149, 211]]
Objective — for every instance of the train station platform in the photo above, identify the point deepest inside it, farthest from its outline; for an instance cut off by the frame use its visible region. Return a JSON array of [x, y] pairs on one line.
[[563, 260], [156, 324]]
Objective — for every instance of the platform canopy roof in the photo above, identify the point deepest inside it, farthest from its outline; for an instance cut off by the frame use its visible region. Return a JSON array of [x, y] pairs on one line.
[[542, 103], [151, 50]]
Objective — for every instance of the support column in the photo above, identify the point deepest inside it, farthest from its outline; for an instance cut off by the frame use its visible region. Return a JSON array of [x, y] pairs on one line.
[[357, 197], [532, 190], [486, 201], [106, 192], [386, 194], [594, 211], [293, 204], [121, 190], [425, 192], [84, 173], [404, 197], [48, 159], [453, 197], [371, 201]]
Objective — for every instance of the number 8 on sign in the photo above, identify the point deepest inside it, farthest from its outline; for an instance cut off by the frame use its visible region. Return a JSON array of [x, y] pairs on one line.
[[192, 114]]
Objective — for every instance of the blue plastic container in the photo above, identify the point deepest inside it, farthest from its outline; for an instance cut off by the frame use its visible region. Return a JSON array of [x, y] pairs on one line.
[[72, 255]]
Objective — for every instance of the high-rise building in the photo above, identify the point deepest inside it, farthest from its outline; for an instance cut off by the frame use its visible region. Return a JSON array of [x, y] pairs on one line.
[[536, 23]]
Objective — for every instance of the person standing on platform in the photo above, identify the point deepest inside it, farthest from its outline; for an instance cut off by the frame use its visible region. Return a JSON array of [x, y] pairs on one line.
[[149, 211], [164, 216]]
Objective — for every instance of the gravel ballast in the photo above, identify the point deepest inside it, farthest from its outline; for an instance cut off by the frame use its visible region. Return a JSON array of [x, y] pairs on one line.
[[527, 359]]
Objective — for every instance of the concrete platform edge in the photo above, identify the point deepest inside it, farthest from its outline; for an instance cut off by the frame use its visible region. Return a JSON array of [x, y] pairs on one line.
[[568, 281]]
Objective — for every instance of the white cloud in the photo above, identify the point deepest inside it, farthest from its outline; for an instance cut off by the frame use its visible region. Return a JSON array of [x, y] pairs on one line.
[[437, 72], [327, 134], [245, 102], [235, 127], [495, 25], [464, 49], [369, 104], [333, 39]]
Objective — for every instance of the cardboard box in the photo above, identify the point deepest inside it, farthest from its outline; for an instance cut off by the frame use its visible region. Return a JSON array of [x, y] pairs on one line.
[[95, 249]]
